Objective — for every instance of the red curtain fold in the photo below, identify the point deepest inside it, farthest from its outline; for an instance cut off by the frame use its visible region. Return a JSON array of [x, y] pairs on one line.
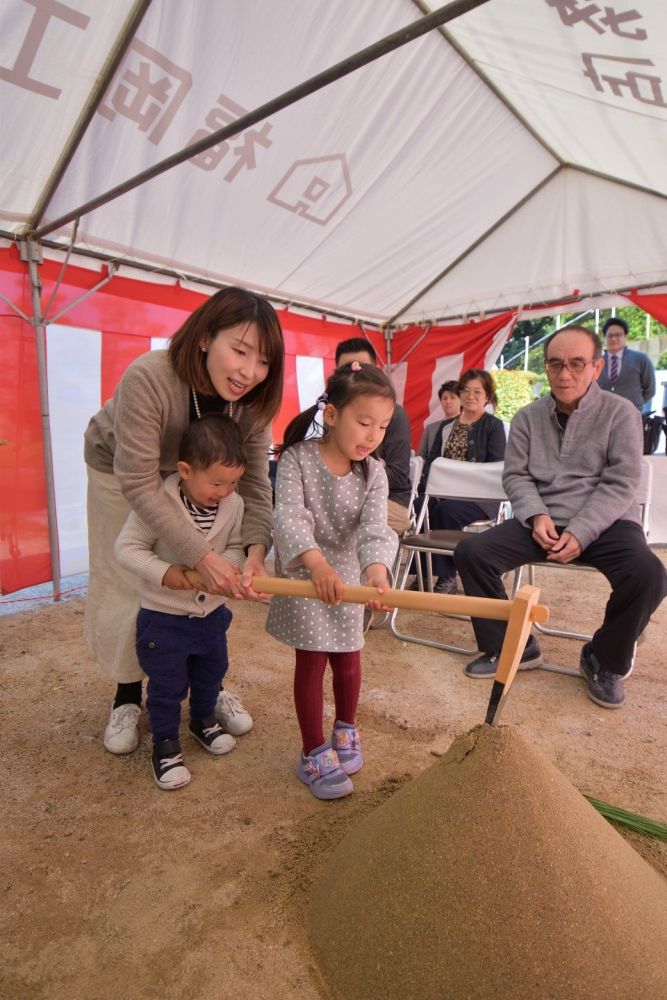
[[125, 314], [654, 305]]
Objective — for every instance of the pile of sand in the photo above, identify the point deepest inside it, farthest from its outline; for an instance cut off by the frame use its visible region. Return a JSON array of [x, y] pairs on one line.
[[489, 876]]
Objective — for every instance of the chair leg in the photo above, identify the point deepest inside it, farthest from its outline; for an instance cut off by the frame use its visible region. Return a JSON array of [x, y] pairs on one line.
[[405, 637], [561, 633], [554, 668]]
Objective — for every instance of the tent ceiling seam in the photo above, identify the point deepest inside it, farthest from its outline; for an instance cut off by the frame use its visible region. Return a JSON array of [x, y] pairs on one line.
[[631, 185], [179, 275], [480, 239], [488, 82], [558, 305], [344, 67], [86, 115]]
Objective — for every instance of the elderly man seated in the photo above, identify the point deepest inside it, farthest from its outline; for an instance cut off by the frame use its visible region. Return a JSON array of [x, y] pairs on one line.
[[572, 466]]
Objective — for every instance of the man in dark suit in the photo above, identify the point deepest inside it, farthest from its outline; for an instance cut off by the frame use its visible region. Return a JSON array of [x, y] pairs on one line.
[[627, 373]]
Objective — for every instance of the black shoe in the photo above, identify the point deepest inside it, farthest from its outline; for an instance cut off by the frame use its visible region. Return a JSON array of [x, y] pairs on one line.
[[486, 664], [211, 735], [169, 770], [415, 585], [602, 687], [445, 585]]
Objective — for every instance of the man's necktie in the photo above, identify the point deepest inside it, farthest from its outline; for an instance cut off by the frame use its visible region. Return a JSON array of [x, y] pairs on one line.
[[613, 368]]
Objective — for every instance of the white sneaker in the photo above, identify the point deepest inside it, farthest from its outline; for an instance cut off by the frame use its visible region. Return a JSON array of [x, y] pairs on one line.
[[231, 714], [122, 732]]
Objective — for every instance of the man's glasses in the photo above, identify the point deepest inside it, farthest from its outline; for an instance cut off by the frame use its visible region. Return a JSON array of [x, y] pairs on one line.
[[576, 366]]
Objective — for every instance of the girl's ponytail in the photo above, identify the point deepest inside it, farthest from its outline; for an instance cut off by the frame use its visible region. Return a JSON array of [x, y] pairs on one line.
[[297, 429]]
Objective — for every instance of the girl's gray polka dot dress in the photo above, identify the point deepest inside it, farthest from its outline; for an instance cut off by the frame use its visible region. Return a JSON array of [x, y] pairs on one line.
[[345, 517]]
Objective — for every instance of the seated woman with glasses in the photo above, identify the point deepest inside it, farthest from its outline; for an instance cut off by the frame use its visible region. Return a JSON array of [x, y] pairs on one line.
[[473, 436]]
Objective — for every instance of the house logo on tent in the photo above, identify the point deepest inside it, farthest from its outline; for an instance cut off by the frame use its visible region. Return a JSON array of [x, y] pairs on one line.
[[315, 188]]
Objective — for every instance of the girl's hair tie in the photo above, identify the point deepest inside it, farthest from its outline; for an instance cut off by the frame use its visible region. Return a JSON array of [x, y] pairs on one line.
[[322, 400], [355, 366]]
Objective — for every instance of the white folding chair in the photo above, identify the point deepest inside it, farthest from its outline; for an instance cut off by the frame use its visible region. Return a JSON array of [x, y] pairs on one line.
[[416, 468], [644, 499], [479, 481]]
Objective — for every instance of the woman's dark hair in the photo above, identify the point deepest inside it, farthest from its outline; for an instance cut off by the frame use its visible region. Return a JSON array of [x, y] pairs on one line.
[[344, 385], [227, 308], [486, 380], [214, 438], [451, 386]]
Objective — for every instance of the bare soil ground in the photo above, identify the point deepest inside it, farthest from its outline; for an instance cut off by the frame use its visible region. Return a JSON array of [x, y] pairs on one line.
[[112, 888]]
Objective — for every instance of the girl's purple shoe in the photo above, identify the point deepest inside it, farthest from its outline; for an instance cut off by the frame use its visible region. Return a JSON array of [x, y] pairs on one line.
[[322, 772], [345, 741]]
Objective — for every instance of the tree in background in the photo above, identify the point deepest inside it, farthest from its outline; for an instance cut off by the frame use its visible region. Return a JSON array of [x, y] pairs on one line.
[[537, 329], [514, 390]]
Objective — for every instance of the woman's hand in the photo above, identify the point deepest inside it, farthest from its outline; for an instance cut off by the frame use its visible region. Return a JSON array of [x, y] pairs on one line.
[[376, 576], [253, 566], [176, 579], [220, 576]]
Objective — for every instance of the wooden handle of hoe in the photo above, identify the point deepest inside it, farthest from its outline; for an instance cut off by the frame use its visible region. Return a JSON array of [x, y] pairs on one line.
[[411, 600]]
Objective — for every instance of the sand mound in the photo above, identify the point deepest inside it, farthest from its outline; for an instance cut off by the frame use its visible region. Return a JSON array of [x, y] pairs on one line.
[[489, 876]]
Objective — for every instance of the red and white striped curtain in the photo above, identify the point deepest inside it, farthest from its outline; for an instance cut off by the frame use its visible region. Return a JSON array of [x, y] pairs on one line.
[[90, 347]]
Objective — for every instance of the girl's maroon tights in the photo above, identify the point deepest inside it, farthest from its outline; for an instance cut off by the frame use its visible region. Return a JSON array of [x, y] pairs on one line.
[[309, 691]]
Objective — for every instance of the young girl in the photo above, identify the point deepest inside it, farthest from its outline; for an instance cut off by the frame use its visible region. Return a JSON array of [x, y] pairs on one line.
[[330, 524]]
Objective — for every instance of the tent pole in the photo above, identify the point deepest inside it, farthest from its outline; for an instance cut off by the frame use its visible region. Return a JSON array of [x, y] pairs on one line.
[[336, 72], [31, 253], [388, 337]]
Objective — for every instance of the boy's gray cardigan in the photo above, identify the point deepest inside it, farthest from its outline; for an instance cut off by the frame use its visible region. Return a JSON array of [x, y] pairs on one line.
[[139, 551]]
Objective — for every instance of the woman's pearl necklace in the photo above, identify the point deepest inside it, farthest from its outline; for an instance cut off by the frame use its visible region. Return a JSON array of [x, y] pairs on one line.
[[195, 400]]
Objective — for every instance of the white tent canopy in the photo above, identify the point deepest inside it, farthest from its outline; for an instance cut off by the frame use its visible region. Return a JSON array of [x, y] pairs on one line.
[[514, 157]]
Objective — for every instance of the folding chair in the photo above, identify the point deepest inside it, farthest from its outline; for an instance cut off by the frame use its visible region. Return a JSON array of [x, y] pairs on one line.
[[644, 499], [416, 468], [479, 481]]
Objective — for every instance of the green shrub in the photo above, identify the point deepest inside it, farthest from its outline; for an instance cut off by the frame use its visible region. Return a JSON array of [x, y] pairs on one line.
[[662, 360], [514, 390]]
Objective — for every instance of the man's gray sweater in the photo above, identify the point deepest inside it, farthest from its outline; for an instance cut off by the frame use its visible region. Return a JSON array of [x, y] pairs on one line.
[[584, 477]]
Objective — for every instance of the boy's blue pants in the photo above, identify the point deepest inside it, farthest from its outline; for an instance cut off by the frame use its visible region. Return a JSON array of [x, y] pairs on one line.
[[179, 654]]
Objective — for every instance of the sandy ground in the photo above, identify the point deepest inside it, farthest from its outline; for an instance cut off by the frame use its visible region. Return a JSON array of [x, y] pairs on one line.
[[111, 887]]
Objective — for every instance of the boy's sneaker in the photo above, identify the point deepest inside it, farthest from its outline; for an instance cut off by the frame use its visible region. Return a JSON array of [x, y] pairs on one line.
[[231, 714], [345, 741], [486, 664], [169, 770], [446, 585], [122, 732], [211, 736], [322, 772], [602, 687]]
